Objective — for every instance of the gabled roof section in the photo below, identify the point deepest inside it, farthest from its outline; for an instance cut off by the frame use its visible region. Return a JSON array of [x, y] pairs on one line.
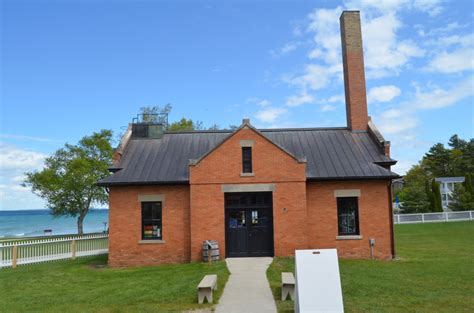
[[331, 154], [246, 124]]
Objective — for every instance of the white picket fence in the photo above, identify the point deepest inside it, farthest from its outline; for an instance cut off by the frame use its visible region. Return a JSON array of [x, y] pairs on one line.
[[433, 217], [14, 253]]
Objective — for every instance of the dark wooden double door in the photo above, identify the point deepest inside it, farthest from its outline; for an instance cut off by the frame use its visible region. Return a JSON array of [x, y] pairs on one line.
[[249, 224]]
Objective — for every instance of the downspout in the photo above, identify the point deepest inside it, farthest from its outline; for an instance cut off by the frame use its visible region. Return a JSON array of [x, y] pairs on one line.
[[390, 208]]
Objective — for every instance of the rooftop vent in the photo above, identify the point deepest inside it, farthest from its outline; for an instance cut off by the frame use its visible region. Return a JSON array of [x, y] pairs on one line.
[[149, 125]]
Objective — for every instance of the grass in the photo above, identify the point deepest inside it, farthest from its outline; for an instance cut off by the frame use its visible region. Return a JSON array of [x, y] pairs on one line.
[[87, 285], [435, 273]]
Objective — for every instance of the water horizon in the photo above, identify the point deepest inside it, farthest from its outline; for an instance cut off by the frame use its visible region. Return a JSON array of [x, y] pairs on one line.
[[34, 222]]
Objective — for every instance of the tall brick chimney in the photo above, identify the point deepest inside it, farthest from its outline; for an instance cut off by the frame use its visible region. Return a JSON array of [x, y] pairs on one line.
[[354, 76]]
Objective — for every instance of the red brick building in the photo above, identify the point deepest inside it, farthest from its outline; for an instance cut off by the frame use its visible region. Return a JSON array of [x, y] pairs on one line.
[[257, 192]]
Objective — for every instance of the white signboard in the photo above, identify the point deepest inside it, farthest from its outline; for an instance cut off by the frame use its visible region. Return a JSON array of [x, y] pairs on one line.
[[318, 284]]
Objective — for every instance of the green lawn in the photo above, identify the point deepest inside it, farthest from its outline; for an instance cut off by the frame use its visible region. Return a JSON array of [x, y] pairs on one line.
[[435, 273], [85, 285]]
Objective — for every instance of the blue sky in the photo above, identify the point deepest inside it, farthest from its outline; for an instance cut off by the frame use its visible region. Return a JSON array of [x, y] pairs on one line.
[[69, 68]]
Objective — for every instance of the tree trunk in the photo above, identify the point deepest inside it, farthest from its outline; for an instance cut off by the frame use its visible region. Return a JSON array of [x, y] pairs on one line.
[[80, 220], [82, 215]]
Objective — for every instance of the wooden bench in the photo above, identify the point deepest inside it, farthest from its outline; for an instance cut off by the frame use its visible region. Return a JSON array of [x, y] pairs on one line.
[[287, 286], [205, 288]]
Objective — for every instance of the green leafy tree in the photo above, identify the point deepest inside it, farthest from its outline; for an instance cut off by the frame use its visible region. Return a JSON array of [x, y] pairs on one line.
[[185, 124], [456, 160], [413, 196], [436, 194], [421, 193], [68, 180], [468, 183], [437, 161], [154, 114], [430, 196], [462, 196]]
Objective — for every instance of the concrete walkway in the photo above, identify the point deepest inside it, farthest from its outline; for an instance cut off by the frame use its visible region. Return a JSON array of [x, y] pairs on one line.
[[247, 289]]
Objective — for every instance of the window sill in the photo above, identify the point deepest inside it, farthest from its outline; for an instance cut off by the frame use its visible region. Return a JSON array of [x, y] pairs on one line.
[[247, 174], [157, 241], [351, 237]]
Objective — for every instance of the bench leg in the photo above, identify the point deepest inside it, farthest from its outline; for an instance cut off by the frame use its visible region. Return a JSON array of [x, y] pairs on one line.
[[284, 293], [205, 294], [292, 292], [287, 290]]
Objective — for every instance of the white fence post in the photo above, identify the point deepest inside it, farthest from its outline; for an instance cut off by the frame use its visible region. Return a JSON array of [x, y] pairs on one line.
[[14, 256], [422, 218], [73, 249], [446, 214]]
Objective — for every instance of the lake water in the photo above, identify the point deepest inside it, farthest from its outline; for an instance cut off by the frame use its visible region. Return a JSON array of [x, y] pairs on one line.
[[28, 223]]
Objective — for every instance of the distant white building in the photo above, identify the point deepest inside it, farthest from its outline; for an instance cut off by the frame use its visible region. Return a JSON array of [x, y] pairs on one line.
[[446, 185]]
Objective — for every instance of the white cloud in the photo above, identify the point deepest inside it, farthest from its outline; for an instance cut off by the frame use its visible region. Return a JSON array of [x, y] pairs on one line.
[[432, 7], [14, 162], [392, 126], [456, 54], [383, 93], [336, 98], [258, 101], [297, 32], [315, 53], [270, 114], [403, 166], [379, 5], [437, 97], [462, 40], [440, 30], [16, 159], [457, 61], [324, 24], [264, 102], [327, 108], [25, 138], [402, 119], [315, 76], [286, 49], [384, 52], [392, 113], [297, 100]]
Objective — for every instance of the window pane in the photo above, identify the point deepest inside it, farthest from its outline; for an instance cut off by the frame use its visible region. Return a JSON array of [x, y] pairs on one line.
[[260, 218], [147, 210], [151, 220], [237, 219], [156, 210], [348, 219], [247, 160]]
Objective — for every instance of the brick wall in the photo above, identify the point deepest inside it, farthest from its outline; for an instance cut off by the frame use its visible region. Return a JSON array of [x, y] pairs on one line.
[[270, 165], [354, 75], [125, 226], [374, 217]]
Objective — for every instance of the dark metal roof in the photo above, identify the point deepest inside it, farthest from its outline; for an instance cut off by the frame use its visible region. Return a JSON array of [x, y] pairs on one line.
[[331, 153], [459, 179]]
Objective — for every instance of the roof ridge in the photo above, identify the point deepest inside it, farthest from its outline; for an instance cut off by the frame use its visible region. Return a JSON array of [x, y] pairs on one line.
[[224, 131], [227, 131], [302, 129]]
